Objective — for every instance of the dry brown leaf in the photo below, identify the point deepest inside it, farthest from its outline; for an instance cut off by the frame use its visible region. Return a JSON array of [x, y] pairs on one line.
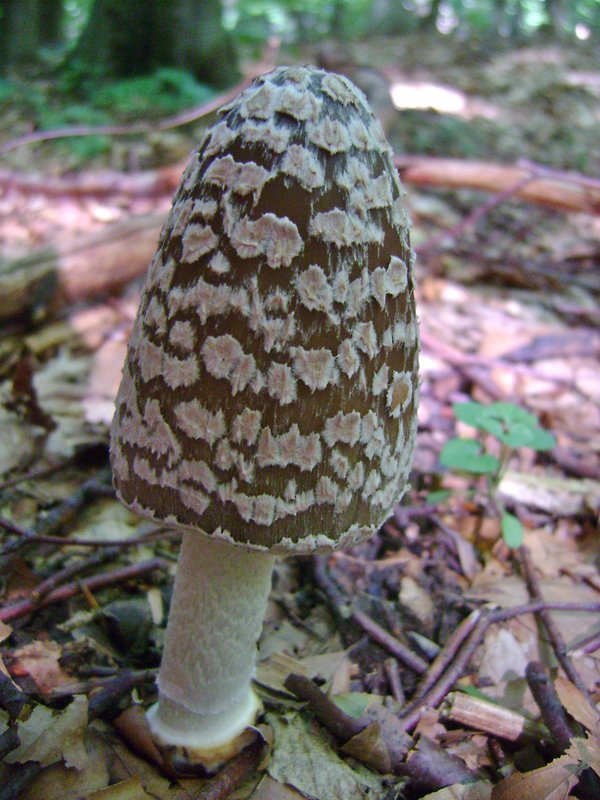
[[5, 631], [587, 751], [417, 600], [40, 661], [48, 737], [304, 759], [577, 705], [370, 747], [129, 789], [123, 764], [58, 782], [552, 782], [462, 791], [270, 789]]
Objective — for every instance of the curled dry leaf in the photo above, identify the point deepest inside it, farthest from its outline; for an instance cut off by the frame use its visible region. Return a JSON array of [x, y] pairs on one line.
[[269, 789], [129, 789], [40, 661], [305, 760], [462, 791], [552, 782], [58, 782], [47, 737], [577, 705]]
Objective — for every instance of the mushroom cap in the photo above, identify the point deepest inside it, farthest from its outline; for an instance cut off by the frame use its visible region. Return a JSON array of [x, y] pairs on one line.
[[269, 392]]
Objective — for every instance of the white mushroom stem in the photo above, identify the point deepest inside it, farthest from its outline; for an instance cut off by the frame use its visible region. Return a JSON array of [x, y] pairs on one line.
[[219, 601]]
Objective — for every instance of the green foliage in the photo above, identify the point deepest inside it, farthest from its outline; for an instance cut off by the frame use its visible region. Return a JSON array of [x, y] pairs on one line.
[[509, 423], [468, 455], [512, 427], [431, 133], [512, 530], [7, 91], [166, 91]]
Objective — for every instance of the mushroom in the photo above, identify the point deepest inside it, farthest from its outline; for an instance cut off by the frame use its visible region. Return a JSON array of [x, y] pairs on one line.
[[268, 399]]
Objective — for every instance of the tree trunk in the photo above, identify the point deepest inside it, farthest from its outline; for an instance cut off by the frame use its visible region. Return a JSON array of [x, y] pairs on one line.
[[390, 17], [194, 39], [19, 32], [137, 37], [51, 22], [429, 21]]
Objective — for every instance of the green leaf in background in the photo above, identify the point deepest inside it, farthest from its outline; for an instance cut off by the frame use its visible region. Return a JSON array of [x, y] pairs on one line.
[[468, 455], [509, 423], [471, 413], [433, 498], [512, 530]]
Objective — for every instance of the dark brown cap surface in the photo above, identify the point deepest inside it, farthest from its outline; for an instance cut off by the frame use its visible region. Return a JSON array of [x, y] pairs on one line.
[[270, 388]]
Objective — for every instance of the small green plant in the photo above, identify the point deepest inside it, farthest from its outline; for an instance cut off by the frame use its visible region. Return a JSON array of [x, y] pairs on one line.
[[512, 427]]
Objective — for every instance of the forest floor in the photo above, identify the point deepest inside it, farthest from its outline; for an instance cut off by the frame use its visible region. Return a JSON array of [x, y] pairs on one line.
[[488, 655]]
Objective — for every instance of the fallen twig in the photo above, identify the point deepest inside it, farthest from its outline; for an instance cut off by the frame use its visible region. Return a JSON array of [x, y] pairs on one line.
[[12, 699], [375, 631], [471, 220], [342, 725], [221, 785], [63, 514], [389, 642], [449, 651], [29, 537], [24, 607], [434, 695], [175, 121], [427, 765], [567, 191], [395, 680], [547, 700], [79, 567], [558, 643], [483, 715], [105, 703]]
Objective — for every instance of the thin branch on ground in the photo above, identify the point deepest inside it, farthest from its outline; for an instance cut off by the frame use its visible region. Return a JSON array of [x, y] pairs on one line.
[[77, 568], [29, 537], [24, 607], [376, 632], [389, 642], [175, 121], [448, 652], [102, 682], [554, 635], [105, 703], [411, 715], [395, 680], [221, 785], [549, 704], [471, 220], [427, 765], [452, 662]]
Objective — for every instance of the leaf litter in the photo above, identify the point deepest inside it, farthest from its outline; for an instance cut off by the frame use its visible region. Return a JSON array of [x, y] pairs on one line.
[[509, 315]]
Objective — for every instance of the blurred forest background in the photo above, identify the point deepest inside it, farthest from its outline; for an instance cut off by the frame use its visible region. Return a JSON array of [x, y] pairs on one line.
[[101, 62]]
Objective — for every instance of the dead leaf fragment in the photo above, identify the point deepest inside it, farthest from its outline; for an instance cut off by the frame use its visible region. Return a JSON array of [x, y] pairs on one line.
[[58, 782], [305, 760], [462, 791], [130, 789], [577, 705], [552, 782], [47, 737], [40, 660], [269, 789], [587, 751]]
